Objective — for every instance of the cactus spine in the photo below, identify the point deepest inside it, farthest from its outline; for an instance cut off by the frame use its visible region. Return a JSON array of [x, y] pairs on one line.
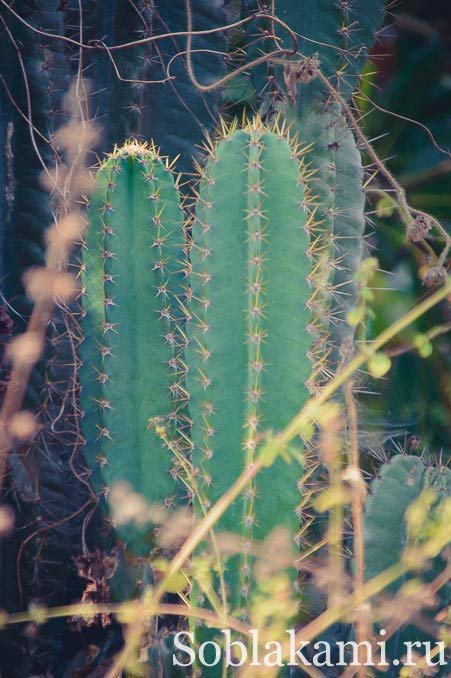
[[131, 369], [250, 327]]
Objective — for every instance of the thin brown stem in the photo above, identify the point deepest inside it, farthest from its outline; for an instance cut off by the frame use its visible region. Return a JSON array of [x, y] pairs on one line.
[[357, 486]]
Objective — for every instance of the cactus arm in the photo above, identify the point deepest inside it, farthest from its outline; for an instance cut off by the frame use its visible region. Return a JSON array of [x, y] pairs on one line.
[[317, 129], [223, 251], [348, 229], [139, 391], [246, 334], [178, 115], [289, 338], [341, 34], [400, 483], [131, 274]]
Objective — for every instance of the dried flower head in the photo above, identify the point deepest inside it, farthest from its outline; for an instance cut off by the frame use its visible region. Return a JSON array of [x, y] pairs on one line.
[[420, 227], [435, 276]]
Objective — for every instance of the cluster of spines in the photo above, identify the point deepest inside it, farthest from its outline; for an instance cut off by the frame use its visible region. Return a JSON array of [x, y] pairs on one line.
[[350, 42]]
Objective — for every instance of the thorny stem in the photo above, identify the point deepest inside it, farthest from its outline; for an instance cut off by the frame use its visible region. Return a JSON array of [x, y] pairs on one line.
[[91, 610]]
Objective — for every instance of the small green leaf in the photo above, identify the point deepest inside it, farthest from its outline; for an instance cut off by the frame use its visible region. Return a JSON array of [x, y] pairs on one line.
[[355, 316], [423, 345], [385, 206], [379, 364]]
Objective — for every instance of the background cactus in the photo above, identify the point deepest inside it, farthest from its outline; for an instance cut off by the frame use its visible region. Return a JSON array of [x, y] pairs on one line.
[[132, 370], [335, 37], [401, 485], [42, 487], [146, 104]]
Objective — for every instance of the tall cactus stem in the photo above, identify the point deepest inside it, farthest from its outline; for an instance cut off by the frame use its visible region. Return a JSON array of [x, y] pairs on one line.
[[132, 368], [251, 327]]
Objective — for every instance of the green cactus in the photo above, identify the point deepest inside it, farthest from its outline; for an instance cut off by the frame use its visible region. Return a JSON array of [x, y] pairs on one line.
[[400, 484], [336, 37], [132, 270], [349, 245], [250, 327], [340, 35], [338, 183]]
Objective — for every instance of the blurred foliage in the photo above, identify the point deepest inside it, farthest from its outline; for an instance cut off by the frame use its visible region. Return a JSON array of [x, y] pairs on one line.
[[413, 79]]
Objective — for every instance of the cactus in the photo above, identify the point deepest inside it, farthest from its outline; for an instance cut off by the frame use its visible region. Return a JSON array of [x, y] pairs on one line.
[[277, 239], [47, 486], [400, 483], [146, 104], [337, 33], [132, 270], [250, 326], [399, 486], [177, 117], [337, 37]]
